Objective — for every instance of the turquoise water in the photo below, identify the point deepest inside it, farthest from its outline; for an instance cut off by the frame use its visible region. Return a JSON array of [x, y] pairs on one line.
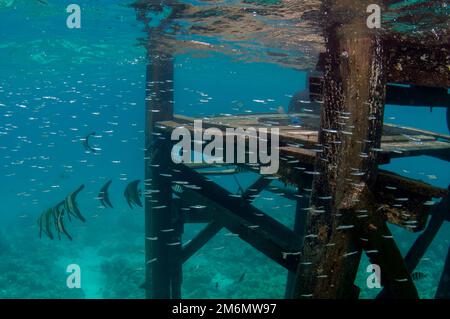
[[57, 85]]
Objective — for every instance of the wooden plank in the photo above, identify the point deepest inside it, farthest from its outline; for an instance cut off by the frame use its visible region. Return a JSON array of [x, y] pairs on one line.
[[417, 131], [202, 216], [396, 142], [405, 184], [434, 148]]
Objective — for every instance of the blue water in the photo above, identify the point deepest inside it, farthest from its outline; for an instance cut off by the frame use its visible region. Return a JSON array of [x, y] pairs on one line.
[[58, 85]]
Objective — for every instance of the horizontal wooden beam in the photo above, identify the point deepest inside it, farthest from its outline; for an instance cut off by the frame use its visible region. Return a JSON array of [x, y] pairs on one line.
[[417, 61], [412, 186], [405, 95], [403, 201], [411, 60], [421, 96]]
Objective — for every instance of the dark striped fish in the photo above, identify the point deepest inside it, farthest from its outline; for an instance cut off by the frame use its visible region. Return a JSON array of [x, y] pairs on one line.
[[44, 225], [59, 218], [103, 196], [86, 144], [132, 194], [71, 206]]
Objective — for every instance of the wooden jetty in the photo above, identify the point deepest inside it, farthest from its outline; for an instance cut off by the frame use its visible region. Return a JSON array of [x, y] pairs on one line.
[[343, 200]]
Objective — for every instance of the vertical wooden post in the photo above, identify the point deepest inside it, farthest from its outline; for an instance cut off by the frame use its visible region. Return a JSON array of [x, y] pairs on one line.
[[175, 250], [158, 192], [351, 125]]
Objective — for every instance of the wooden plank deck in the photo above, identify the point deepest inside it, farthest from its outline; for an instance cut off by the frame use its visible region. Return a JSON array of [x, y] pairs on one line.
[[298, 150], [300, 140]]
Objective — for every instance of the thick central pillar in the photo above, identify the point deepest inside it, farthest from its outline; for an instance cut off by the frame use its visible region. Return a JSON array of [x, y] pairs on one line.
[[349, 137]]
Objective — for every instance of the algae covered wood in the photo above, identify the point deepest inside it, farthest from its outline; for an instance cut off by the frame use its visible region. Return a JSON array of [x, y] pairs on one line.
[[354, 91]]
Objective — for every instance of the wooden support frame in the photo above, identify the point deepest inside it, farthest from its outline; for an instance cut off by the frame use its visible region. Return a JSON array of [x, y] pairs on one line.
[[356, 74], [238, 206], [258, 237], [214, 226]]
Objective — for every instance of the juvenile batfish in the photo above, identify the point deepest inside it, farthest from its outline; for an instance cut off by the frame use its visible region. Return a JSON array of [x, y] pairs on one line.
[[103, 195], [71, 206], [86, 144], [132, 194]]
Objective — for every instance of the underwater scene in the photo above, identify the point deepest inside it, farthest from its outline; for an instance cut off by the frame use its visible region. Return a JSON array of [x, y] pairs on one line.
[[102, 197]]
